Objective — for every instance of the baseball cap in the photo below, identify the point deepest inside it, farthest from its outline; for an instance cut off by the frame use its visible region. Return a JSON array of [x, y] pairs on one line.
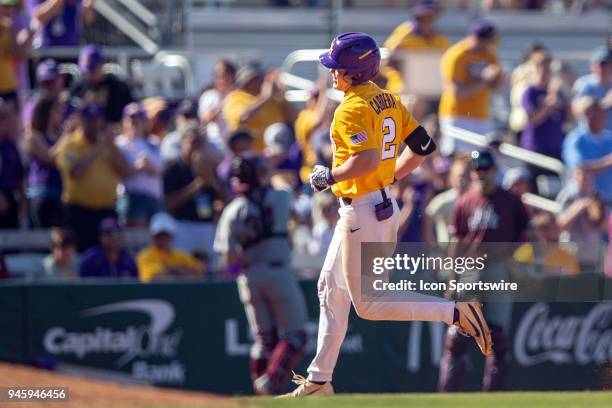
[[248, 72], [108, 225], [483, 28], [601, 54], [162, 222], [515, 175], [237, 136], [47, 70], [188, 109], [425, 7], [90, 110], [89, 58], [482, 160], [278, 138], [134, 109]]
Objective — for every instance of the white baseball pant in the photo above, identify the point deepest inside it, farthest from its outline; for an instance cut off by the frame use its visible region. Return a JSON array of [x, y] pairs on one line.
[[340, 283]]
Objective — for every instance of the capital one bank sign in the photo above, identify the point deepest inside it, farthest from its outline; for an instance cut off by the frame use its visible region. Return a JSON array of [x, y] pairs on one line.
[[132, 345], [575, 339]]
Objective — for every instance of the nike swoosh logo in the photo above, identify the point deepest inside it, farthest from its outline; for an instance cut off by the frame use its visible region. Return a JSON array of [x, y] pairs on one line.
[[426, 146], [353, 230]]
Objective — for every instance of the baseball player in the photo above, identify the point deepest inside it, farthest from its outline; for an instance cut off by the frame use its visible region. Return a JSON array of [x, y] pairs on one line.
[[252, 235], [366, 131]]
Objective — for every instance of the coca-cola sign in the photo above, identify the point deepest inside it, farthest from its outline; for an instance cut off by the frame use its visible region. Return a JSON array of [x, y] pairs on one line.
[[570, 339]]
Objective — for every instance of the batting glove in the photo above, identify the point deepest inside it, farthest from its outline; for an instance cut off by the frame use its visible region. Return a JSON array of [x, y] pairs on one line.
[[321, 178]]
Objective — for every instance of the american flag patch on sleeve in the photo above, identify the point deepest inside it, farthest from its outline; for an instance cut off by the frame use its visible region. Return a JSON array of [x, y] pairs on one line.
[[359, 138]]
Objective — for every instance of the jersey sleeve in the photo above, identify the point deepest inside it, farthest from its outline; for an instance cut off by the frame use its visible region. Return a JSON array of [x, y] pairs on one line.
[[353, 125], [451, 66], [409, 123]]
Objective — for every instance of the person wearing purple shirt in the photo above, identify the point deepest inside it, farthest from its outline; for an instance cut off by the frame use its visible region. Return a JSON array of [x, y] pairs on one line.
[[109, 259], [546, 109], [49, 81], [62, 20], [44, 180], [12, 197]]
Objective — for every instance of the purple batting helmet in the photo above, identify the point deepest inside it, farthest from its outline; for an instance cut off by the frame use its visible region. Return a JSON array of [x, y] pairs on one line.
[[357, 53]]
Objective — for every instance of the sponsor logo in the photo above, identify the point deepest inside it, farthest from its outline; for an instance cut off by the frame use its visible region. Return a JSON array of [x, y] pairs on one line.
[[133, 343], [240, 345], [572, 339]]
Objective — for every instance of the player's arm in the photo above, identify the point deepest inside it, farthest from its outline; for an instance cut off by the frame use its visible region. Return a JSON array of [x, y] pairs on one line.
[[359, 164], [420, 145]]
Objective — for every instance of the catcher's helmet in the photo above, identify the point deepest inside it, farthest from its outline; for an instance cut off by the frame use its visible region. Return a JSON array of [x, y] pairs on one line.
[[357, 53], [248, 170]]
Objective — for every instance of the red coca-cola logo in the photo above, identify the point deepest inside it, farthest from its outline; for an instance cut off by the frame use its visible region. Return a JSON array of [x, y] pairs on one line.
[[574, 339]]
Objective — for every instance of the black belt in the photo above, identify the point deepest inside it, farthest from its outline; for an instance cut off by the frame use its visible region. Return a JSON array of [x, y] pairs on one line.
[[349, 201]]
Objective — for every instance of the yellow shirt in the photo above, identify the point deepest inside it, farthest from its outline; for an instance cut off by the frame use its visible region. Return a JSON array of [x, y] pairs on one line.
[[153, 262], [461, 65], [369, 118], [97, 188], [8, 76], [304, 125], [404, 38], [556, 260], [237, 102]]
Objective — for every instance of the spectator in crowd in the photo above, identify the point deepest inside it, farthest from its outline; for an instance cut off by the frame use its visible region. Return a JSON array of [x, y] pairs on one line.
[[142, 188], [517, 180], [547, 111], [439, 211], [15, 45], [160, 117], [598, 84], [210, 105], [62, 262], [555, 259], [96, 86], [308, 120], [239, 143], [284, 156], [581, 218], [160, 260], [12, 186], [257, 102], [523, 76], [91, 167], [608, 261], [471, 72], [193, 192], [62, 20], [109, 259], [419, 34], [4, 272], [50, 81], [590, 147], [44, 180], [484, 213], [324, 218], [171, 144]]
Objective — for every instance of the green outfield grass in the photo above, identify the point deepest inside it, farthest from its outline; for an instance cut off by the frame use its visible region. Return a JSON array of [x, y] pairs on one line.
[[462, 400], [467, 400]]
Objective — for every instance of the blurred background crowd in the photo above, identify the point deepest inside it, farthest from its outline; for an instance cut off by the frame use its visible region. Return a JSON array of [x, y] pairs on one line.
[[87, 160]]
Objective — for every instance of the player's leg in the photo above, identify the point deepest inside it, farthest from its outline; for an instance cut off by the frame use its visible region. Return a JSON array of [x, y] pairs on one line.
[[261, 325], [360, 225], [454, 361], [334, 308], [288, 308]]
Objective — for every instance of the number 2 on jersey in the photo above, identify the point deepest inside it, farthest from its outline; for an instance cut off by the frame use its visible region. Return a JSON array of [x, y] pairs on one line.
[[388, 147]]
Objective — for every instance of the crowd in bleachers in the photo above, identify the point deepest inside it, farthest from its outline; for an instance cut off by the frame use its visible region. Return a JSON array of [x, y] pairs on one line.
[[89, 160]]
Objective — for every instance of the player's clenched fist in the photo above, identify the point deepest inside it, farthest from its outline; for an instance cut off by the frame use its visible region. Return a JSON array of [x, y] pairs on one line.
[[321, 178]]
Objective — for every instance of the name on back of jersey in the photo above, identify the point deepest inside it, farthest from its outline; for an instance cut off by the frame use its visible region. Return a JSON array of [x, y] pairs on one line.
[[381, 102]]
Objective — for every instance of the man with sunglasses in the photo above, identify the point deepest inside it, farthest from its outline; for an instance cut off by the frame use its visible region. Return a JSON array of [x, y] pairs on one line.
[[485, 213]]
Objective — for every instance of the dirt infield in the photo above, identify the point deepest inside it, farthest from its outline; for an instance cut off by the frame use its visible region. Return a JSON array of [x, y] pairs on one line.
[[92, 393]]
